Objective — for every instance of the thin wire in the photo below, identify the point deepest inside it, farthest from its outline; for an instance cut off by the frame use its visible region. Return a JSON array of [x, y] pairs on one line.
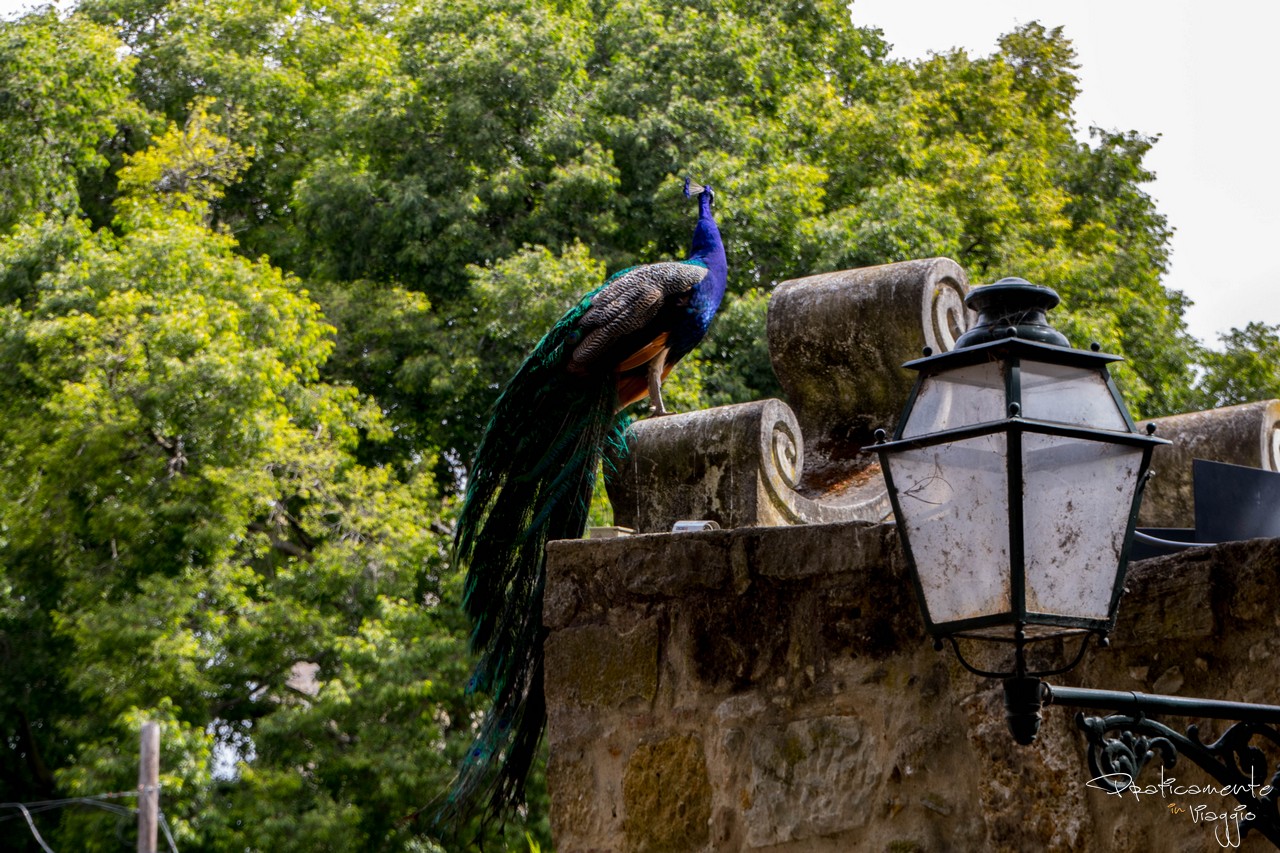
[[113, 795], [42, 805], [164, 824], [30, 823], [94, 800]]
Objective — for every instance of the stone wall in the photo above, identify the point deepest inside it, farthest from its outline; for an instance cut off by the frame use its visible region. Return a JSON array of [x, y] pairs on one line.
[[770, 686], [773, 689]]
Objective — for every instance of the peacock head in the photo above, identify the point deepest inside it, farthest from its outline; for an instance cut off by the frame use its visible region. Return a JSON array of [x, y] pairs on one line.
[[691, 189], [706, 236]]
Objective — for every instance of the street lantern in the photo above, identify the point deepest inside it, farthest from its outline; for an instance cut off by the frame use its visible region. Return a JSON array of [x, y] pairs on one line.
[[1015, 474]]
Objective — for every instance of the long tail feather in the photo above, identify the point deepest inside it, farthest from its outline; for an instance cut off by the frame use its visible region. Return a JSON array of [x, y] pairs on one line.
[[531, 483]]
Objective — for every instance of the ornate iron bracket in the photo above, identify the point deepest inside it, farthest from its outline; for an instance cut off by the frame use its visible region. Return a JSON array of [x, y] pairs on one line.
[[1121, 745]]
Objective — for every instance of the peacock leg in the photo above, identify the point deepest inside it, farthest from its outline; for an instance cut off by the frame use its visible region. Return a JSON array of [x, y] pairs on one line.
[[656, 408]]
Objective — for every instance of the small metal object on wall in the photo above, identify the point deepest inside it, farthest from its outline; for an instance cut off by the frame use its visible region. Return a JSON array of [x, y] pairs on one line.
[[693, 526]]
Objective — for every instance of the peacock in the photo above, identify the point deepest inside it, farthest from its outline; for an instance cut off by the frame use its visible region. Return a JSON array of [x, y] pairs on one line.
[[533, 475]]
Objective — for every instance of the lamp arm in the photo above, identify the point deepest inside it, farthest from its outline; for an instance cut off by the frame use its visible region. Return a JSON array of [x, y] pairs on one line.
[[1142, 704], [1122, 744]]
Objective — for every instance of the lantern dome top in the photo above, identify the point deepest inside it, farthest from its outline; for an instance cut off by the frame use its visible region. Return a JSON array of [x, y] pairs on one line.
[[1012, 307]]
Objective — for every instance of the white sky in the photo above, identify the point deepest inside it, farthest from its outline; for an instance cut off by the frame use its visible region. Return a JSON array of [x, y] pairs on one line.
[[1201, 75]]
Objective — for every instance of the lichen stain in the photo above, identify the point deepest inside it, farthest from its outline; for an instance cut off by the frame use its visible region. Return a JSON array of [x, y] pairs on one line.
[[667, 795]]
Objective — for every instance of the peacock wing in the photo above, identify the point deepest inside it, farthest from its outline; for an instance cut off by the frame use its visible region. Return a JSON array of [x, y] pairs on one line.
[[628, 303]]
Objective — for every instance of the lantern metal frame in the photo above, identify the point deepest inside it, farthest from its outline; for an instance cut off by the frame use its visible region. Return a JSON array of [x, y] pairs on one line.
[[1013, 352]]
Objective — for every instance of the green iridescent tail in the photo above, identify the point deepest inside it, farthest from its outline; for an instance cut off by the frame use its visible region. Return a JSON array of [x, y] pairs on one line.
[[531, 482]]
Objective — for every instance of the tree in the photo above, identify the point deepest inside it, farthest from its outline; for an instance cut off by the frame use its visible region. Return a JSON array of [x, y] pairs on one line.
[[194, 540], [1245, 370], [63, 98]]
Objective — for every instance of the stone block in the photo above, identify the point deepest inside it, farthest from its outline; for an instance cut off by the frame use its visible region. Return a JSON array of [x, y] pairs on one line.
[[838, 341], [576, 803], [667, 796], [598, 667], [810, 778], [819, 551], [700, 563], [737, 465]]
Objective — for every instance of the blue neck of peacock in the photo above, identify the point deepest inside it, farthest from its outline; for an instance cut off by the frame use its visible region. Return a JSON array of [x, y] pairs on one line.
[[708, 248]]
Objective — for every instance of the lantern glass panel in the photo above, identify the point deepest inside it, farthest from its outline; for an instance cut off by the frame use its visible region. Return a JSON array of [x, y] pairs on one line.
[[1078, 495], [1069, 395], [960, 397], [954, 505]]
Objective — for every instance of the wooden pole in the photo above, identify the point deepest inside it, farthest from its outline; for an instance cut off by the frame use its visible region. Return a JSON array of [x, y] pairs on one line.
[[149, 788]]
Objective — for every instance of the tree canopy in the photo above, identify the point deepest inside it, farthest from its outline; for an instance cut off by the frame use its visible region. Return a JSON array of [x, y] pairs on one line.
[[265, 265]]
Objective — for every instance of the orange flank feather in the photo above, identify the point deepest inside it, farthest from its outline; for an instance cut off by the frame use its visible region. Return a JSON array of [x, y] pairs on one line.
[[645, 354], [633, 387]]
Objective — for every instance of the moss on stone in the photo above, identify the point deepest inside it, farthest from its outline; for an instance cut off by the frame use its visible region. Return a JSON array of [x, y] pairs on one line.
[[594, 666], [667, 796]]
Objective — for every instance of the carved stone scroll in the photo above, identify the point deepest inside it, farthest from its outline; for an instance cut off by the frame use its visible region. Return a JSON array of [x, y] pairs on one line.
[[1247, 435], [736, 465], [838, 342]]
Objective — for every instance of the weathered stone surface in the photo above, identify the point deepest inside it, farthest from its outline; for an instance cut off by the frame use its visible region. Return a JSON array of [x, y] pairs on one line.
[[560, 603], [838, 342], [699, 465], [1247, 435], [667, 795], [703, 567], [596, 666], [1164, 592], [736, 465], [1029, 799], [578, 810], [832, 550], [781, 677], [809, 778]]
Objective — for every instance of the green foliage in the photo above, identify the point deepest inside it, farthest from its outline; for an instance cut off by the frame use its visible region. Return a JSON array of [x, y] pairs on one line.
[[188, 508], [1247, 368], [184, 171], [265, 265], [735, 356], [63, 95]]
